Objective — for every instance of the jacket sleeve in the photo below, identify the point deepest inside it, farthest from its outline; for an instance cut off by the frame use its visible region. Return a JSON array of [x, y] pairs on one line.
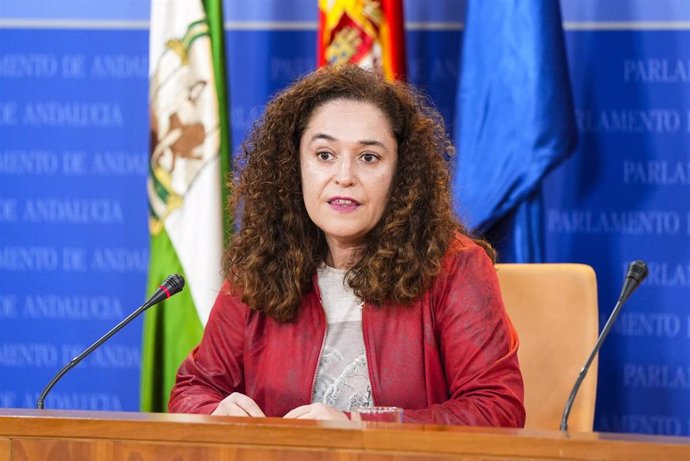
[[214, 369], [477, 345]]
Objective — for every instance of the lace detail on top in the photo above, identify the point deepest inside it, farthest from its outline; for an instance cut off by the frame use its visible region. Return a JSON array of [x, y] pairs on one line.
[[342, 377]]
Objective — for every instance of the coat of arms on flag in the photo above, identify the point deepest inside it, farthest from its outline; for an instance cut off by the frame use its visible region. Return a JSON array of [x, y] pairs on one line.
[[368, 33], [184, 132]]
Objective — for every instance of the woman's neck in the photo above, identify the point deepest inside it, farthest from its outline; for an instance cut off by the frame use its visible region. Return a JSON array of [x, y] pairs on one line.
[[341, 255]]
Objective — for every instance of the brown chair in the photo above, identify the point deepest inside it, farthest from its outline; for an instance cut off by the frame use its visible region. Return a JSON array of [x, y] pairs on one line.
[[554, 310]]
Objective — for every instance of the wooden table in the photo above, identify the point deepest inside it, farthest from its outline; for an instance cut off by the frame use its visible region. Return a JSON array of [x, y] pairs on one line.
[[83, 435]]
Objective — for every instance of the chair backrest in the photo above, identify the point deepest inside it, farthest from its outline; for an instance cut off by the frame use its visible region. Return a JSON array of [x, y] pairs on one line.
[[555, 312]]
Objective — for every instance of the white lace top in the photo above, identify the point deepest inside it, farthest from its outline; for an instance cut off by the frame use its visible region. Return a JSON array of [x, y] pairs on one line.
[[342, 377]]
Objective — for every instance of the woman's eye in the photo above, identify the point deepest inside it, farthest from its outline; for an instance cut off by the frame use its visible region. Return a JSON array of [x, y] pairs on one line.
[[323, 155], [369, 158]]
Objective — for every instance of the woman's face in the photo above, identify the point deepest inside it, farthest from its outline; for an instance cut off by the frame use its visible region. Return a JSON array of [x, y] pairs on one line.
[[348, 156]]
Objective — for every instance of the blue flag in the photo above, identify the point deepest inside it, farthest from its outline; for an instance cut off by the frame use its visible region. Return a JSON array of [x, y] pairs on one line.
[[515, 123]]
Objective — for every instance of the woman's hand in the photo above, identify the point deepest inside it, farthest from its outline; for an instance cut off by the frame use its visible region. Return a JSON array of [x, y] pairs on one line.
[[316, 411], [237, 404]]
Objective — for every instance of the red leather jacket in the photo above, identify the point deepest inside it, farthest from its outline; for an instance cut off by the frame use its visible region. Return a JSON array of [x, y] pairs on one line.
[[449, 358]]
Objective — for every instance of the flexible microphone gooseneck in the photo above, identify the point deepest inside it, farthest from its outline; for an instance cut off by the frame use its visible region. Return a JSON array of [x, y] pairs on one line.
[[172, 285], [637, 271]]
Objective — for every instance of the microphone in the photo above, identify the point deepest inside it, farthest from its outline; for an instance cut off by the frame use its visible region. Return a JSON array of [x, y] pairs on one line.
[[172, 285], [637, 272]]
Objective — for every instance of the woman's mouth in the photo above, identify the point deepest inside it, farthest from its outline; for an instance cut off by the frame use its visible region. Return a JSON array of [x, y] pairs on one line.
[[343, 204]]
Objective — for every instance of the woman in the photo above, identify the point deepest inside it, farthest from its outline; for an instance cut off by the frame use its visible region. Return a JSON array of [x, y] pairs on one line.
[[350, 282]]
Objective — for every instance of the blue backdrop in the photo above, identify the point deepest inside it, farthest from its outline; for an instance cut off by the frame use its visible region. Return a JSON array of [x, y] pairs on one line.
[[73, 162]]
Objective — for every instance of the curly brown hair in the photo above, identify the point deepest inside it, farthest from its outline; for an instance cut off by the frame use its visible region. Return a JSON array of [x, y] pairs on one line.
[[271, 261]]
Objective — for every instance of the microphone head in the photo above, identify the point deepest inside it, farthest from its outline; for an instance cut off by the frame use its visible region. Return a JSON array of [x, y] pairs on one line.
[[174, 283], [637, 270]]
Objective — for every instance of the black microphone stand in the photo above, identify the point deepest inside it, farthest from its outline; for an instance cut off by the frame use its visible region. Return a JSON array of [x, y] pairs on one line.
[[637, 271], [172, 285]]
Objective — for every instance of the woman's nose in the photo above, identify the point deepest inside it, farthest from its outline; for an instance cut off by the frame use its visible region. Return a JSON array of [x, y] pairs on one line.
[[345, 175]]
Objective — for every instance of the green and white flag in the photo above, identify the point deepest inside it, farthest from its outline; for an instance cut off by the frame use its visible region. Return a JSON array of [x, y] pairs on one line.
[[189, 158]]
